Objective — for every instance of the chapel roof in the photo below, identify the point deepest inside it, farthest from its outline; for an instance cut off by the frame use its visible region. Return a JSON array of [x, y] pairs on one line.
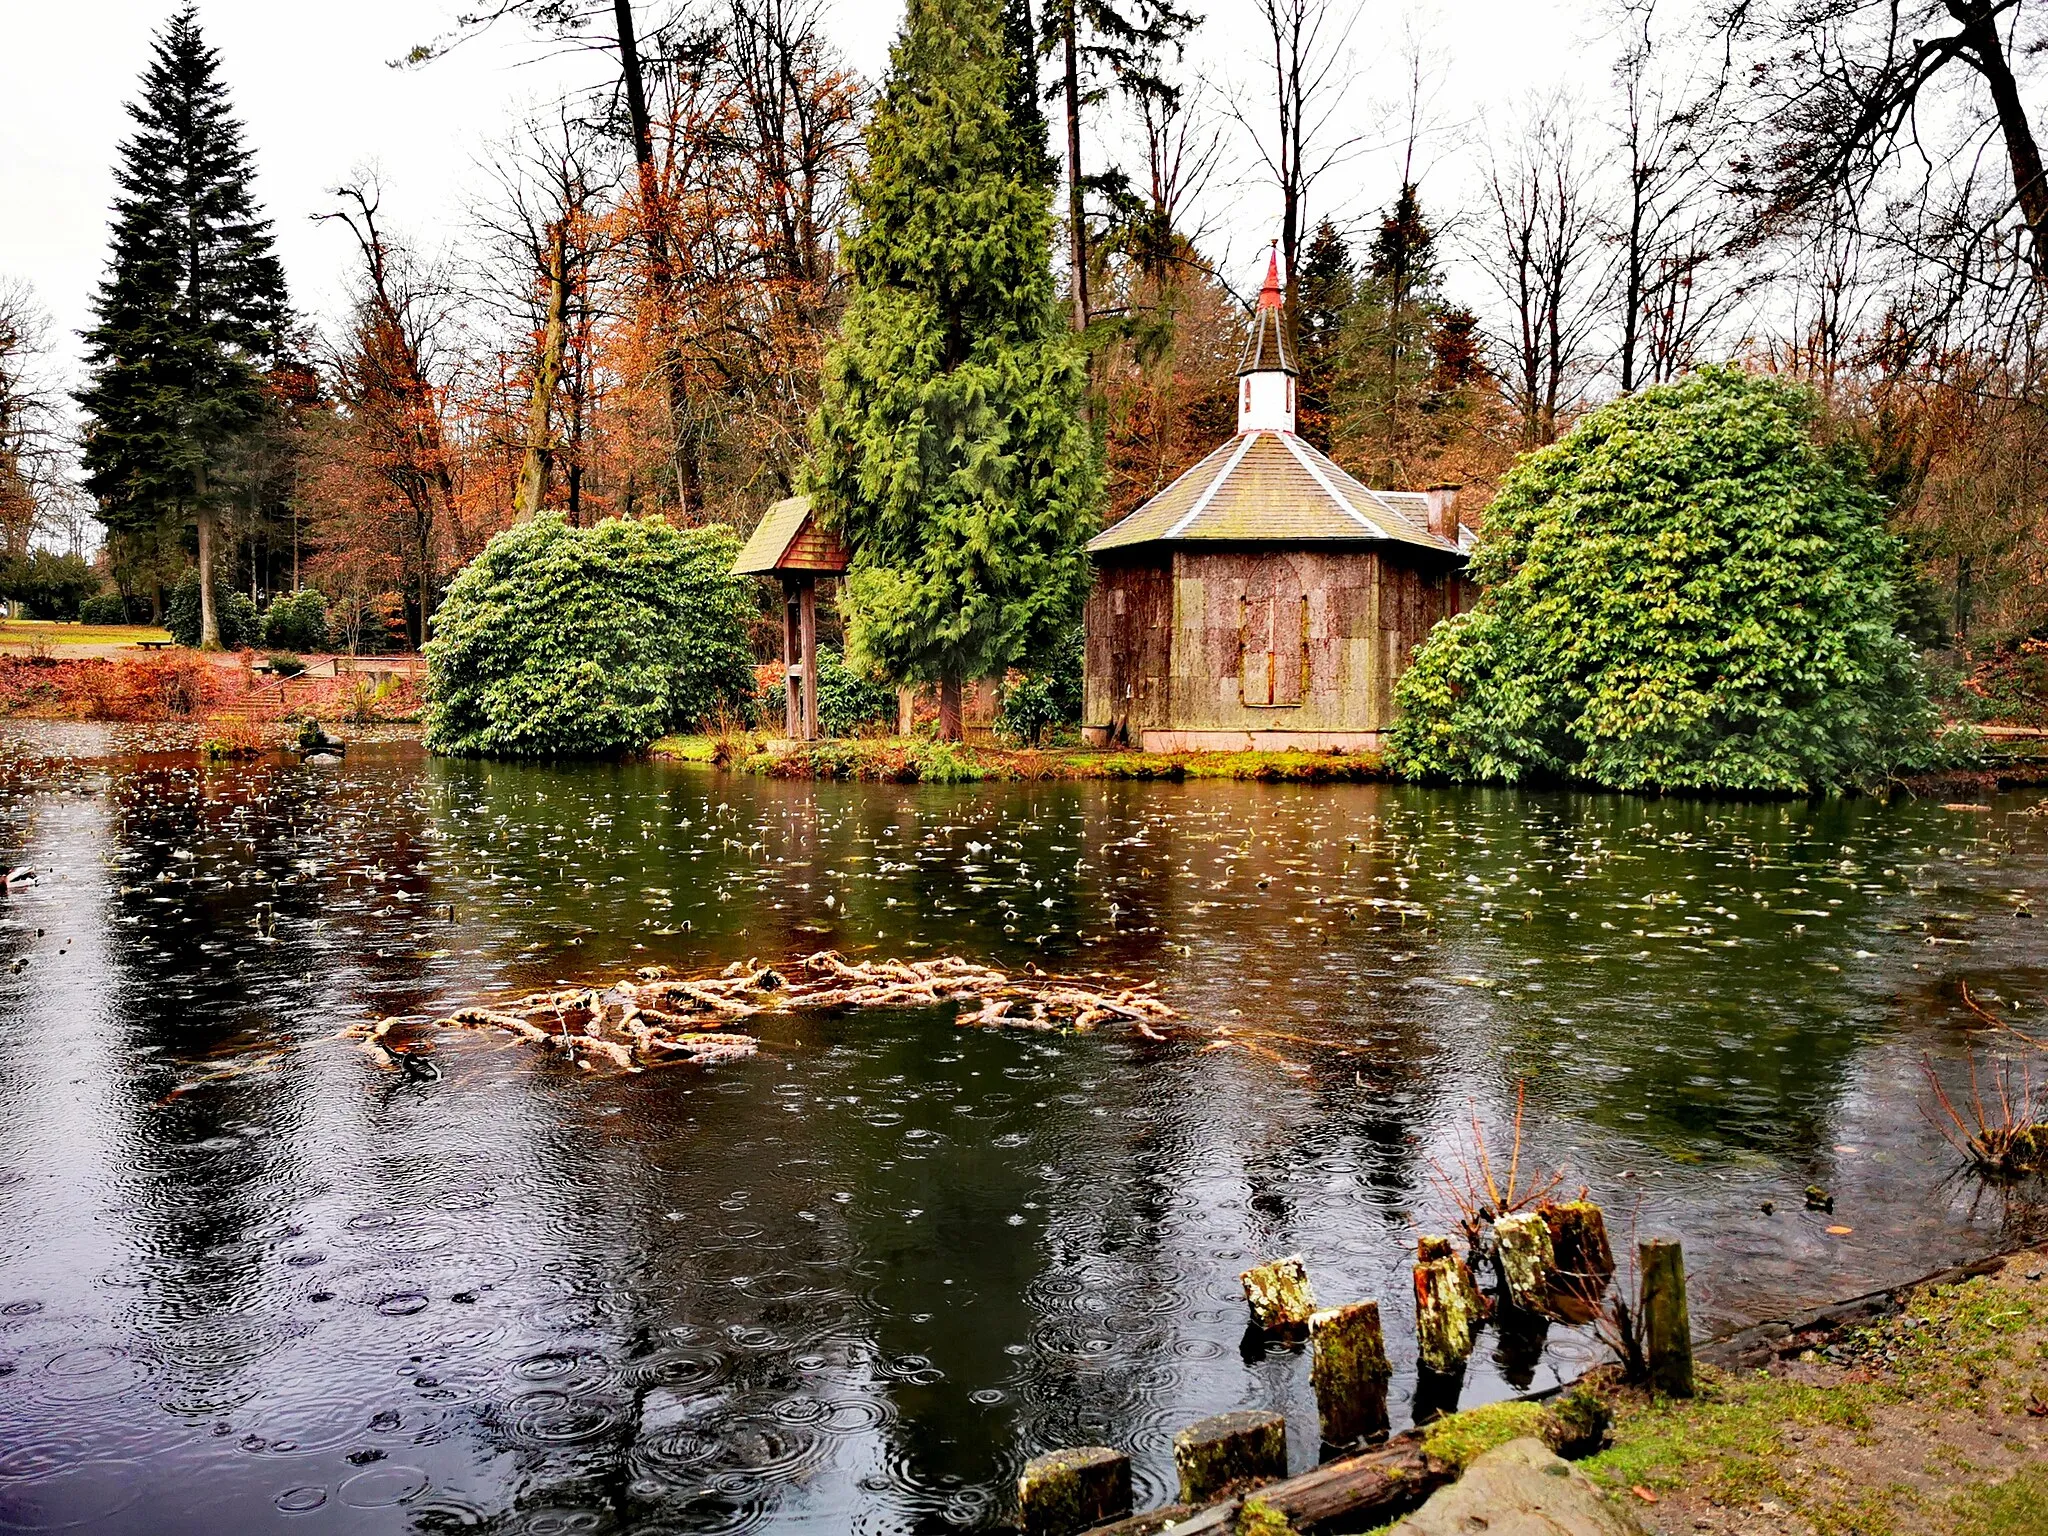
[[1268, 487]]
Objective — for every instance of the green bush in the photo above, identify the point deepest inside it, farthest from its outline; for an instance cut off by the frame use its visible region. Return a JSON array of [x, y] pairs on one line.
[[48, 586], [285, 664], [1686, 592], [846, 700], [104, 608], [235, 612], [567, 642], [297, 621], [1047, 698]]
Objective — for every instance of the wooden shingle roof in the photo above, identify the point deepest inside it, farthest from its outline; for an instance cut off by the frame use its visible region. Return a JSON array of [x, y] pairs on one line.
[[787, 539], [1266, 487]]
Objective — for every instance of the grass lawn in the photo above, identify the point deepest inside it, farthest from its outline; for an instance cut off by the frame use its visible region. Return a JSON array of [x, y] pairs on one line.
[[51, 633], [1930, 1423]]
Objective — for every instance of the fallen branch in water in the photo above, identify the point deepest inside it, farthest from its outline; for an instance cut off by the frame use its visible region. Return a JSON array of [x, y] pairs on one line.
[[655, 1018]]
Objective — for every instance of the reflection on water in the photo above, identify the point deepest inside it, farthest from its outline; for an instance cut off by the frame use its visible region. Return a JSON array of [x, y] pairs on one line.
[[853, 1283]]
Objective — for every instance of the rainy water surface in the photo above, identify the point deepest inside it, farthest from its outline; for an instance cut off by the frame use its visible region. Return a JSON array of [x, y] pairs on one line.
[[852, 1284]]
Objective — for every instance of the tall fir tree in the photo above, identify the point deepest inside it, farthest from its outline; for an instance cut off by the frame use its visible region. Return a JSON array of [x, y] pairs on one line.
[[191, 310], [951, 451], [1034, 143], [1325, 290]]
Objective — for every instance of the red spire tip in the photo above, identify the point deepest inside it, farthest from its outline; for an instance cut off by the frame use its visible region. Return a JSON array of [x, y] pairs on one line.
[[1270, 296]]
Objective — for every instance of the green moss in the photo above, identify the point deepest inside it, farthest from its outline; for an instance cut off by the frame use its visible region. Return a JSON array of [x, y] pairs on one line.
[[1460, 1439], [1255, 1517], [2016, 1507]]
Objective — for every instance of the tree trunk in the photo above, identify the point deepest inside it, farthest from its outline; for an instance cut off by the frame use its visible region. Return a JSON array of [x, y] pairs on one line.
[[2030, 186], [209, 620], [1077, 219], [661, 273], [547, 378], [1666, 1320], [949, 709]]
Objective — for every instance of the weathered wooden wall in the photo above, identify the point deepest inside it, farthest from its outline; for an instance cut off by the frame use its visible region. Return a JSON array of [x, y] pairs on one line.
[[1129, 617], [1322, 635]]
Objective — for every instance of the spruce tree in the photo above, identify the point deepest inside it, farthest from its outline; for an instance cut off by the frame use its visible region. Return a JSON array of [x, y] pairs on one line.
[[951, 451], [191, 309]]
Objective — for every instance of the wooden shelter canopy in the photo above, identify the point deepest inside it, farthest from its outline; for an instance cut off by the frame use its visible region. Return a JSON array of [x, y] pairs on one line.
[[1267, 487], [788, 542]]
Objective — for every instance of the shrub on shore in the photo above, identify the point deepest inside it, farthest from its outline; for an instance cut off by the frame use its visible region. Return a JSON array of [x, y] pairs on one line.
[[234, 611], [583, 642], [296, 621], [1689, 591]]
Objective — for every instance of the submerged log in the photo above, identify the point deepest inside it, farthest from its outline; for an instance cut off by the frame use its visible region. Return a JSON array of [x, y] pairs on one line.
[[1448, 1310], [657, 1018]]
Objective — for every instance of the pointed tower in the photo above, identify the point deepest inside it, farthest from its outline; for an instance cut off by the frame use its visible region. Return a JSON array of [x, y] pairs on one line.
[[1265, 376]]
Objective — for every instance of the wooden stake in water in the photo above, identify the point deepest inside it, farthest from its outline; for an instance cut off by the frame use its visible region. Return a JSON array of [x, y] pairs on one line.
[[1667, 1324], [1063, 1492], [1348, 1369]]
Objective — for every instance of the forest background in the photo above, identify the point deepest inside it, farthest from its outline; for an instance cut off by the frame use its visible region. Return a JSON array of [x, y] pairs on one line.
[[625, 309]]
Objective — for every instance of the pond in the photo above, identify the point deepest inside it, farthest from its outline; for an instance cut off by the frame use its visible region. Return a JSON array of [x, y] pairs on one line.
[[853, 1283]]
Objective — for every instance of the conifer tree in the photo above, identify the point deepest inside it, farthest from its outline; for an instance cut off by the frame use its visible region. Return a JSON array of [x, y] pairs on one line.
[[951, 451], [190, 311]]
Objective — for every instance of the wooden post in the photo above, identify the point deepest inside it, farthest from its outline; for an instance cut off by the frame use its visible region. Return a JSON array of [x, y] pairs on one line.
[[1063, 1492], [792, 687], [1279, 1294], [1447, 1309], [1230, 1450], [1349, 1371], [1667, 1323], [807, 609]]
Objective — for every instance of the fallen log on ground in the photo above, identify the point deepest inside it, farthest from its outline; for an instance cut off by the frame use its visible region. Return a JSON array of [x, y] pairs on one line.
[[656, 1018]]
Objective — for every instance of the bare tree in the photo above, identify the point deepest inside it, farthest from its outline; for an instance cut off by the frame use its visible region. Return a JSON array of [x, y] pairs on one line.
[[1302, 142], [545, 232], [385, 374], [31, 423], [1677, 221], [1540, 247], [1854, 90]]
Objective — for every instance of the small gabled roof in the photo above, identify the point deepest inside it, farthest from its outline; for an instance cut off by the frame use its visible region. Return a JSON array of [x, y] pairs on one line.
[[1266, 487], [788, 539]]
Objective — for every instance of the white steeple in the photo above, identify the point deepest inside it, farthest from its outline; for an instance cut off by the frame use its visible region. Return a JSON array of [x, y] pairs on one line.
[[1265, 377]]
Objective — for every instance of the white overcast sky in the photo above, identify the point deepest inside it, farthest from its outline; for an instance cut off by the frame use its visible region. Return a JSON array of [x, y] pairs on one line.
[[318, 100]]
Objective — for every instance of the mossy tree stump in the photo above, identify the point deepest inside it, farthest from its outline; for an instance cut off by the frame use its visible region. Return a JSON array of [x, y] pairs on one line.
[[1063, 1492], [1525, 1259], [1581, 1262], [1229, 1450], [1281, 1298], [1349, 1371], [1448, 1311]]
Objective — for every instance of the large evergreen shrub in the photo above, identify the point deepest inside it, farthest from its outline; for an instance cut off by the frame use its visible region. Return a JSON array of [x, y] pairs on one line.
[[297, 621], [572, 642], [1688, 591], [951, 447], [234, 612]]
